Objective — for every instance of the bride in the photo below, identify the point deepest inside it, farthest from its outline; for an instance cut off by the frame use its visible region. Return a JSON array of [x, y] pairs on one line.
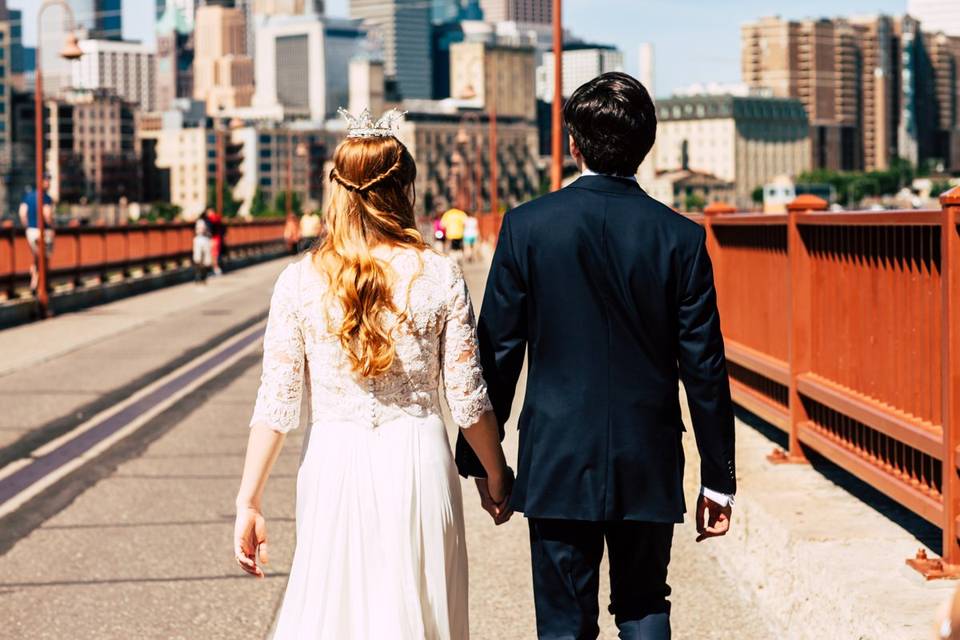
[[369, 322]]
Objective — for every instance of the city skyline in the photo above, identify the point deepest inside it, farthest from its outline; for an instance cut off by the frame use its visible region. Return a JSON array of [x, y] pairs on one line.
[[687, 37]]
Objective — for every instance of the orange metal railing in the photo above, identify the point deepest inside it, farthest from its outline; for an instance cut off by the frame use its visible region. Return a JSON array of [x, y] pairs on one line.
[[842, 330], [101, 253]]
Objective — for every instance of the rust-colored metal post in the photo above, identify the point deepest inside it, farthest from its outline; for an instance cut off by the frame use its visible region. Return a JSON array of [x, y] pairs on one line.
[[289, 198], [950, 367], [42, 296], [492, 113], [218, 139], [713, 247], [799, 332], [556, 140]]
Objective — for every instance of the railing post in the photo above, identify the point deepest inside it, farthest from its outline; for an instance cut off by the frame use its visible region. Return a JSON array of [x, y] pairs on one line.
[[950, 370], [799, 330], [713, 246]]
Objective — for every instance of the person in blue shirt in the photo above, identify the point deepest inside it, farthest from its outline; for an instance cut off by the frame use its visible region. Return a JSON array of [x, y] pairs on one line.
[[28, 218]]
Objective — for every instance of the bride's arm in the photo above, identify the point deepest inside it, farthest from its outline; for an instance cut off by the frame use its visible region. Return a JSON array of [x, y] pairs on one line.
[[277, 411], [250, 531]]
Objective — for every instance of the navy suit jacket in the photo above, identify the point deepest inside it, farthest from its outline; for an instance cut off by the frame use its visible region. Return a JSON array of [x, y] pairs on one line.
[[612, 294]]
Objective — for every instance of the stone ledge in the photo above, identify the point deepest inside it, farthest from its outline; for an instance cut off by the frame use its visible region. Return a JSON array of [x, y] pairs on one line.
[[821, 553], [23, 311]]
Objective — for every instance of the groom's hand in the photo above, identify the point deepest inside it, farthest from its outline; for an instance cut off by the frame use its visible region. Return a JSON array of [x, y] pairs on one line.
[[717, 519], [499, 511]]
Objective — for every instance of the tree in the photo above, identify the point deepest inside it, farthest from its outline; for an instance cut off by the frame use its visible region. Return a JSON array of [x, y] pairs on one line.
[[258, 207], [163, 211], [693, 202], [757, 195], [280, 203], [230, 206]]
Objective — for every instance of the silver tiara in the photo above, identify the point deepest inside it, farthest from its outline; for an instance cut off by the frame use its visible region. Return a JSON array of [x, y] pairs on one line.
[[364, 126]]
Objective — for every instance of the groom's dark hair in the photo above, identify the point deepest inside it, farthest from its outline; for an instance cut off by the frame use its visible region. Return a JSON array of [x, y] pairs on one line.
[[613, 121]]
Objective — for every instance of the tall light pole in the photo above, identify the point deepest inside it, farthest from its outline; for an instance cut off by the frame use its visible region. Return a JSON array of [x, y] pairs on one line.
[[71, 51], [556, 139], [492, 115]]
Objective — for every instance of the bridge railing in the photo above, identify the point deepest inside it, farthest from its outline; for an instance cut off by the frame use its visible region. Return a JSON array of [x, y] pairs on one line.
[[105, 253], [842, 330]]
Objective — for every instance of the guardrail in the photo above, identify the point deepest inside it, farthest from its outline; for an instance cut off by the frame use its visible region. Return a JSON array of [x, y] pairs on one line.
[[101, 254], [843, 330]]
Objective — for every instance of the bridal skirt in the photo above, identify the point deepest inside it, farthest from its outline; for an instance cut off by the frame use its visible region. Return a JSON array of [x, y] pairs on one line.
[[380, 544]]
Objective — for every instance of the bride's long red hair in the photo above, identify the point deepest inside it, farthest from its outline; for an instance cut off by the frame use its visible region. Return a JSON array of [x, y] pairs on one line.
[[371, 203]]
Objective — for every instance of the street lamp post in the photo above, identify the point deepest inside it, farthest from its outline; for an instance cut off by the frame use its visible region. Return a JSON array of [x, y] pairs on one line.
[[556, 139], [70, 51]]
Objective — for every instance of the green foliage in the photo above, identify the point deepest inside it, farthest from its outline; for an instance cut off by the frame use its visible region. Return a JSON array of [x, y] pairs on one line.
[[230, 206], [258, 207], [853, 186], [757, 195], [280, 203], [163, 211], [939, 187], [693, 202]]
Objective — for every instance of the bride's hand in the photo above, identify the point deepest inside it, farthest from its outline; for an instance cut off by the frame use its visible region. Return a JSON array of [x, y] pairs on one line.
[[250, 540]]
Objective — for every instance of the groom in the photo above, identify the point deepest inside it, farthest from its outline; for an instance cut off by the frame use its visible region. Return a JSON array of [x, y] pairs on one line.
[[610, 295]]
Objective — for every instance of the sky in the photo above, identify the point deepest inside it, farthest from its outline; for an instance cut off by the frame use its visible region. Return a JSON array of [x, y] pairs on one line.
[[695, 41]]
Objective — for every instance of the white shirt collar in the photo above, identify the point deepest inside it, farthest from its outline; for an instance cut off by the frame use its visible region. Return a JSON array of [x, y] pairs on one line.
[[587, 171]]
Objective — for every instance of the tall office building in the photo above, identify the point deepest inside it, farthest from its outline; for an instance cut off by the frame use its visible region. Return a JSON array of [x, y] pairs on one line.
[[937, 15], [581, 63], [94, 151], [401, 29], [875, 88], [303, 64], [174, 74], [531, 11], [125, 68], [222, 70], [495, 75]]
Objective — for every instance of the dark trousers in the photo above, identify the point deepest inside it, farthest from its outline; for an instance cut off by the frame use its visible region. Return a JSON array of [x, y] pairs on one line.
[[566, 557]]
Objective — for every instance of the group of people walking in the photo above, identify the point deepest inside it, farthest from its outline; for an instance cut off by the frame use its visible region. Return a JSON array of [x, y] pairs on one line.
[[609, 297]]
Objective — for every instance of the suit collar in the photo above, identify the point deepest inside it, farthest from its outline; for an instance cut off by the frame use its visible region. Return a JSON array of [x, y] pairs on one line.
[[607, 184]]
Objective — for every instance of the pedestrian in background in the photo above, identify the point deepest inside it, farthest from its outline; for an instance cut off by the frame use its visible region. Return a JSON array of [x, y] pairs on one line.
[[471, 232], [218, 231], [310, 227], [202, 247], [454, 221], [28, 218], [439, 234]]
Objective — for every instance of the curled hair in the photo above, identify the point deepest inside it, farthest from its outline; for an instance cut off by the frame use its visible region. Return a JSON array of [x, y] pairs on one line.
[[371, 203]]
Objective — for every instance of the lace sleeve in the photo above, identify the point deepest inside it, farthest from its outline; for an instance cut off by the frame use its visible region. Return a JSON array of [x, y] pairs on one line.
[[466, 391], [281, 384]]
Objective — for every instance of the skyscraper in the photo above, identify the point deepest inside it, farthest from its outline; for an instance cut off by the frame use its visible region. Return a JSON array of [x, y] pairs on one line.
[[875, 88], [531, 11], [401, 28], [937, 15], [222, 70]]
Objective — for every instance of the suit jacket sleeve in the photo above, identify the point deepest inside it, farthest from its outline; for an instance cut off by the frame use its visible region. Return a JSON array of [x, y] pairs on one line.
[[703, 370], [502, 334]]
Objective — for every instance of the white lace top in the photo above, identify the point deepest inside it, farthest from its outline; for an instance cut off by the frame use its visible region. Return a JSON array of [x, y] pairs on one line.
[[438, 336]]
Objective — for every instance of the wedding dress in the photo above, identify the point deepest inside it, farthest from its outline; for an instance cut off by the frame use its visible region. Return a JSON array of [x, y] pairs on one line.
[[380, 537]]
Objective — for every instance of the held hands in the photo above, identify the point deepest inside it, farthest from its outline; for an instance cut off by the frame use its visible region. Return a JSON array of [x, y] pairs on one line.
[[717, 519], [250, 540], [495, 495]]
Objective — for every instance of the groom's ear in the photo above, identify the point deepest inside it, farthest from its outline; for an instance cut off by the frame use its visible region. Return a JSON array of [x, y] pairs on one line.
[[574, 149]]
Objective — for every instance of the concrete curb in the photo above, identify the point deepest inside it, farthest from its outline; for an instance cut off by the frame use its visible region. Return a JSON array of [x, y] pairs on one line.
[[22, 311], [823, 555]]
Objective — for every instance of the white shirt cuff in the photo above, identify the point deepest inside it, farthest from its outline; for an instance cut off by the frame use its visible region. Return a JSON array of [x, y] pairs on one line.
[[722, 499]]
